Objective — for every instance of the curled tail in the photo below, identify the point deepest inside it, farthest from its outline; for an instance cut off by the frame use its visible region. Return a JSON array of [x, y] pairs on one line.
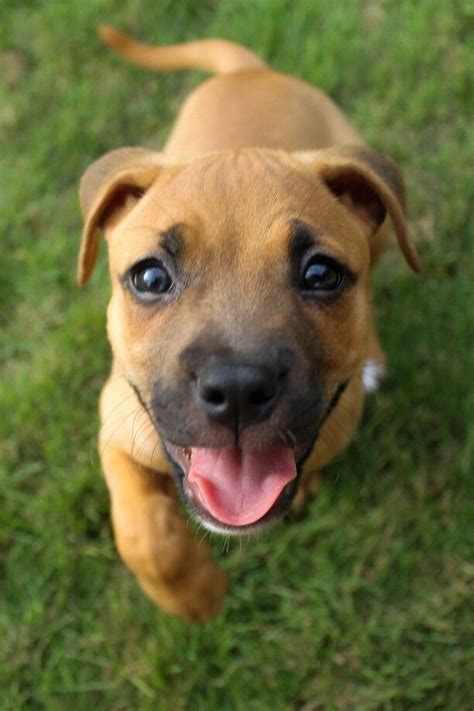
[[214, 55]]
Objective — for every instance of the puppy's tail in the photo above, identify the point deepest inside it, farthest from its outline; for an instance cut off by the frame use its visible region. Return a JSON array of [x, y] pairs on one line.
[[214, 55]]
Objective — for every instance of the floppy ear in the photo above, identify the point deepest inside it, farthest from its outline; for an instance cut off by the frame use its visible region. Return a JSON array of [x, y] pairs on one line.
[[369, 185], [119, 178]]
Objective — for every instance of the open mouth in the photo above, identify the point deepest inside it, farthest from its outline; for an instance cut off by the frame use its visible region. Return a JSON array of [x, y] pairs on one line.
[[235, 490]]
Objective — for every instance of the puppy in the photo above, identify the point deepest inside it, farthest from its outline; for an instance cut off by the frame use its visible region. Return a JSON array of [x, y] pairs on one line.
[[240, 318]]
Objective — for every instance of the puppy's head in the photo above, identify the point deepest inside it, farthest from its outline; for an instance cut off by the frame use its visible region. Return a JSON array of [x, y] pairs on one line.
[[239, 308]]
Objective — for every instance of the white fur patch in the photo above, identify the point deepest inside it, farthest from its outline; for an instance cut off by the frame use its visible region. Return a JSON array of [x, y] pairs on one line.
[[373, 373]]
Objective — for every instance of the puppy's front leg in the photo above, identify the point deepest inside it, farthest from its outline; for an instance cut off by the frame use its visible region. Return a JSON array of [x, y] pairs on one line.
[[173, 567]]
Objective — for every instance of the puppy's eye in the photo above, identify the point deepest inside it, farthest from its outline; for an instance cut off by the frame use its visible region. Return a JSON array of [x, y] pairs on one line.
[[321, 274], [150, 279]]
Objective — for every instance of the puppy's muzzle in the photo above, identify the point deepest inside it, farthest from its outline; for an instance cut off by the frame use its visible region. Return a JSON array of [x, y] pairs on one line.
[[238, 395], [249, 421]]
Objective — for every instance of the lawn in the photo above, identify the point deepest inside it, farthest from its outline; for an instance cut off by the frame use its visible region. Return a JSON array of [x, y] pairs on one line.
[[367, 602]]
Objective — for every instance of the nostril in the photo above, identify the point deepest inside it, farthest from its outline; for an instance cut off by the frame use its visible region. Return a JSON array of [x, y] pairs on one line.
[[260, 397], [237, 395], [213, 396]]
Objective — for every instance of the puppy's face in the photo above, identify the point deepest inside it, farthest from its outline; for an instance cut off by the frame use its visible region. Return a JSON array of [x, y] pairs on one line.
[[239, 314]]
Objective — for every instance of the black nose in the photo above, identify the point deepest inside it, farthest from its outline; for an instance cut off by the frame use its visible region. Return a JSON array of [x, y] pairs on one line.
[[238, 395]]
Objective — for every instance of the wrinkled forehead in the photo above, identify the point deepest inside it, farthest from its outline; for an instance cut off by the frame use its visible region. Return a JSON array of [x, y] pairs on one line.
[[257, 182], [233, 206], [241, 194]]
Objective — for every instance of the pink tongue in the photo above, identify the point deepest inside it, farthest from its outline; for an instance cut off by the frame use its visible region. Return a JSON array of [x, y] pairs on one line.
[[238, 487]]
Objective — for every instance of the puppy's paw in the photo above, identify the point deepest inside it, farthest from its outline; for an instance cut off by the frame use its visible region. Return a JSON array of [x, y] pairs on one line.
[[197, 596], [373, 373], [206, 595]]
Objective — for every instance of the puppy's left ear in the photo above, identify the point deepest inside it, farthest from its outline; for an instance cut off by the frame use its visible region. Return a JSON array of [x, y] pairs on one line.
[[109, 188], [368, 184]]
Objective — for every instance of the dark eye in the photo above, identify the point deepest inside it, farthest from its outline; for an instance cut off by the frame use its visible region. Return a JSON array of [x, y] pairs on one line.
[[150, 279], [321, 274]]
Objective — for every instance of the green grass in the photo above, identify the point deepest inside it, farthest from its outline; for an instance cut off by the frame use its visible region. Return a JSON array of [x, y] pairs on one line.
[[367, 601]]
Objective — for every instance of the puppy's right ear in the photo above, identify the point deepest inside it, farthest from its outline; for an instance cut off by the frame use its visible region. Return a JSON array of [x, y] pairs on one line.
[[118, 179]]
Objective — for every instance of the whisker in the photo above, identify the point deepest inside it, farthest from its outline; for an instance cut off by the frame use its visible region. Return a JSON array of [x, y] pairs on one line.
[[207, 534], [122, 421], [137, 413], [226, 545], [138, 433], [105, 423], [157, 444], [199, 527], [146, 434]]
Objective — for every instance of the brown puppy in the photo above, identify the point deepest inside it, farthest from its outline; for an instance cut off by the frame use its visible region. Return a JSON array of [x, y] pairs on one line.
[[240, 317]]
